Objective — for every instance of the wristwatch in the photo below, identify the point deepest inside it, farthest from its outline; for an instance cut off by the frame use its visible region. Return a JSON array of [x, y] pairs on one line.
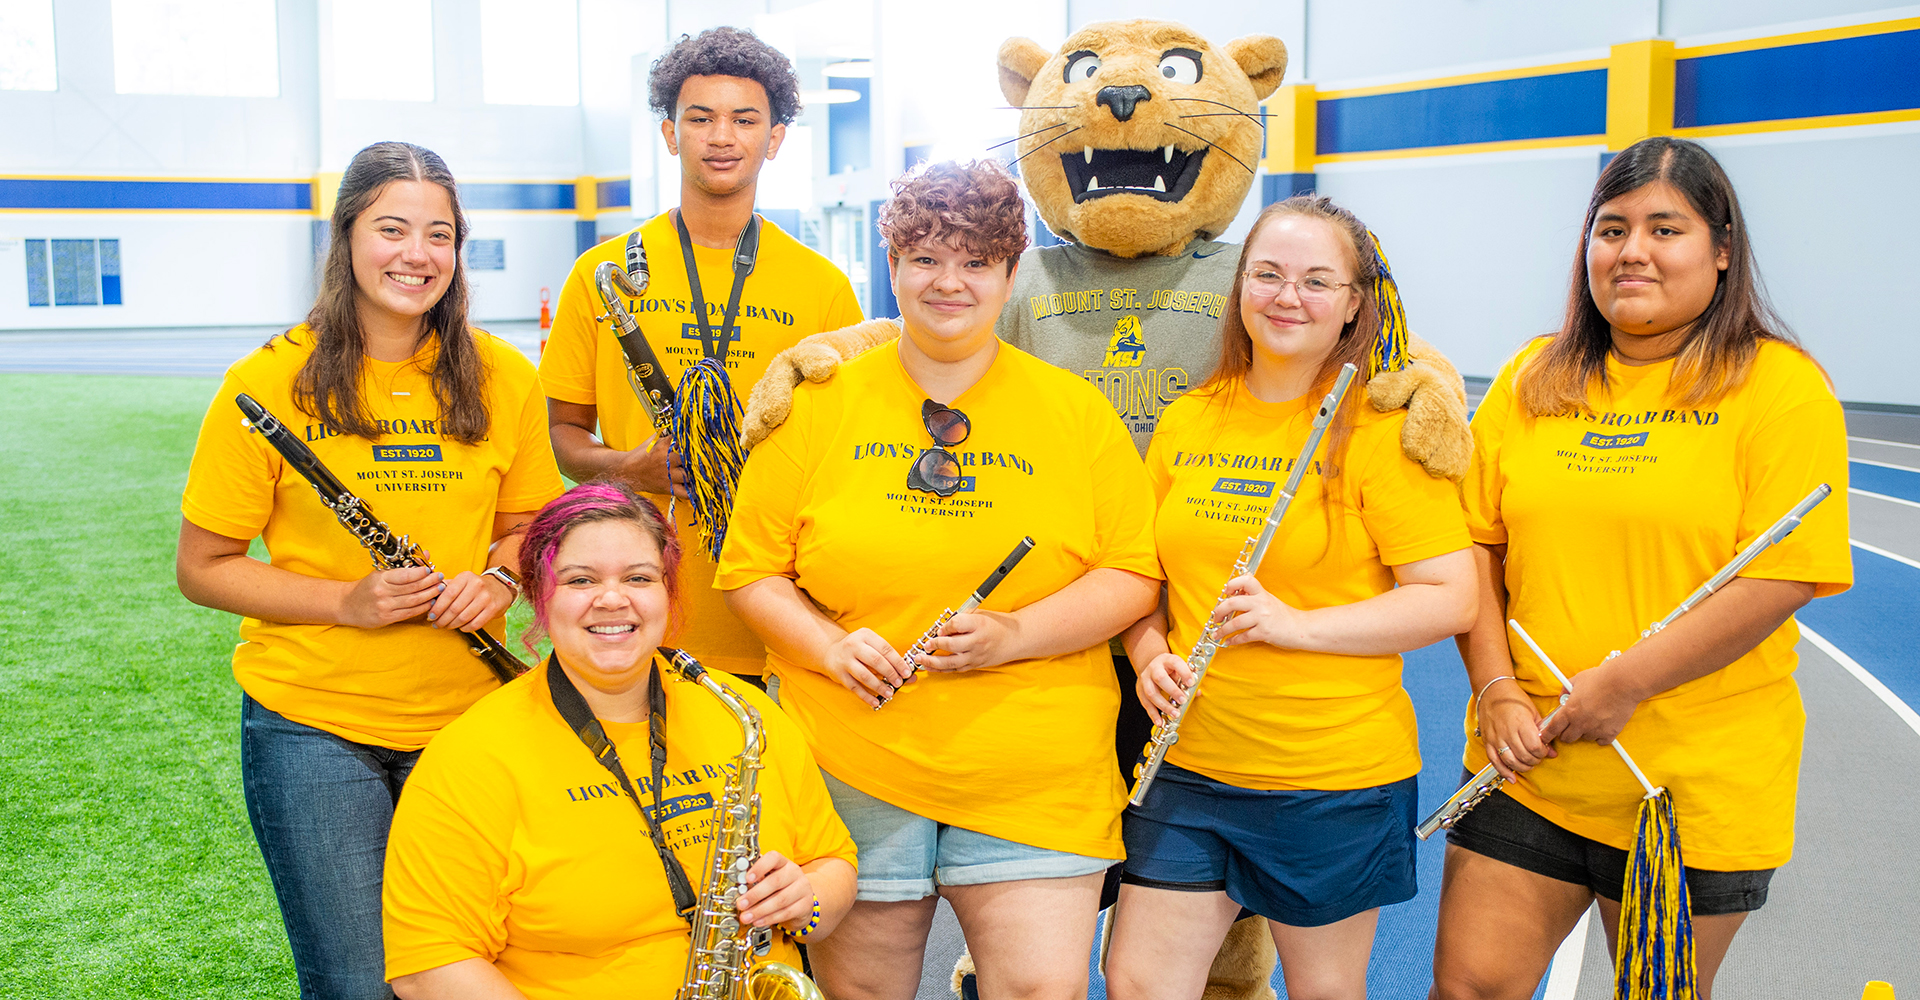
[[504, 575]]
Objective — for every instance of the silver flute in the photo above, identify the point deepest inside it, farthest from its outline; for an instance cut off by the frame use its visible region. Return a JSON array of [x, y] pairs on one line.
[[1488, 780], [1167, 733]]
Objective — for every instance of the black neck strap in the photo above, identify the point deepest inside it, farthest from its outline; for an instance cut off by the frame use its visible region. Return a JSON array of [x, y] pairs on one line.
[[573, 708], [744, 254]]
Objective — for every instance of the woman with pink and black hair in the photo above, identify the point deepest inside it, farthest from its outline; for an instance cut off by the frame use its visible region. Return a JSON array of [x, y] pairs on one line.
[[524, 863]]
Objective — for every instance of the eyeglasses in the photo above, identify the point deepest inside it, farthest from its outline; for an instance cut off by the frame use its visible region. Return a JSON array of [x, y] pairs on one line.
[[1313, 288], [936, 470]]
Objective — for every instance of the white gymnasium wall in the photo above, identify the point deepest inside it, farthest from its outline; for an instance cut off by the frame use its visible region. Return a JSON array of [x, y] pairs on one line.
[[539, 253], [1484, 243], [177, 269]]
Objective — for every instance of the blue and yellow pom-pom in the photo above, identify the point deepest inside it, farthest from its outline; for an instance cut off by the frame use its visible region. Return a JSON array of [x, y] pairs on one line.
[[1655, 956], [706, 433], [1390, 348]]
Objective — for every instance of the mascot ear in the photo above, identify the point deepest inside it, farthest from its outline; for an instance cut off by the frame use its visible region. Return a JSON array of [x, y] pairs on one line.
[[1020, 62], [1262, 57]]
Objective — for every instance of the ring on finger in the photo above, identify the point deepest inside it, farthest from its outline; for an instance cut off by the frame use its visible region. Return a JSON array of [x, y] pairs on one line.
[[1506, 750]]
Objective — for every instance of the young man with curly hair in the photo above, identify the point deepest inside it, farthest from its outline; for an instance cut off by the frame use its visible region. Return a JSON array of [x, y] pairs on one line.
[[725, 99]]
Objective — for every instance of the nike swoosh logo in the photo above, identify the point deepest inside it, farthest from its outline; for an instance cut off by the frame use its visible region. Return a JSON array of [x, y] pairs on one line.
[[1197, 255]]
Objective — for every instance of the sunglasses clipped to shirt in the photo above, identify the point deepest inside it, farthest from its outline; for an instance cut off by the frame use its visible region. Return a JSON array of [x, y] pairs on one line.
[[936, 470]]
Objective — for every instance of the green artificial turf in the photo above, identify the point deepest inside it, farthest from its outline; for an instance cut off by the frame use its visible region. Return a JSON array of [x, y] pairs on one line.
[[127, 866]]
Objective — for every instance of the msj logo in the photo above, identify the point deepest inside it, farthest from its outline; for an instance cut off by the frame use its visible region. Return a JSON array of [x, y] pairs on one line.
[[1592, 440]]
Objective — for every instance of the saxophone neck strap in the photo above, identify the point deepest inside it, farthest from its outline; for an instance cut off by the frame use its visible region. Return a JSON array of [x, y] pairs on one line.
[[745, 253], [579, 718]]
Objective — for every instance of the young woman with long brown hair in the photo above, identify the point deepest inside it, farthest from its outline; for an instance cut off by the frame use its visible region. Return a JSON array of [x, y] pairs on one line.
[[1617, 464], [347, 673], [1291, 790]]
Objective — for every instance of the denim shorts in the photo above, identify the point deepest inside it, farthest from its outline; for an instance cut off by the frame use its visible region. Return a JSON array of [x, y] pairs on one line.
[[904, 856], [1506, 831], [1301, 858]]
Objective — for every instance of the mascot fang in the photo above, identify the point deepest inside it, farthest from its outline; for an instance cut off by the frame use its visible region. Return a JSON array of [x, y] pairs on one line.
[[1138, 144]]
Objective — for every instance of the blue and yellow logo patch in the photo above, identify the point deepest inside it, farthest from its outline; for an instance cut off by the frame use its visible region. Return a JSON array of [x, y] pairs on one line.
[[1126, 347]]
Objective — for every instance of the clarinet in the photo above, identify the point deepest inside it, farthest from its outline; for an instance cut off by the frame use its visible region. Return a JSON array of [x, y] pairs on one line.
[[1167, 733], [389, 551], [1488, 780]]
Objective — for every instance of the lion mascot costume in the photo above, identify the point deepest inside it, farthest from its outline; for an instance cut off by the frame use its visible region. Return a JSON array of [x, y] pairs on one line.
[[1139, 140]]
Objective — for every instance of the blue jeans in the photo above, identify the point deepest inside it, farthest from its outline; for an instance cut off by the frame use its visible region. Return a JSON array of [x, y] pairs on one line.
[[320, 807]]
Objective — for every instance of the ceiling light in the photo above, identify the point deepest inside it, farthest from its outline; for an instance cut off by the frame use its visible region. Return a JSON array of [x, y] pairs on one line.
[[834, 95], [852, 67]]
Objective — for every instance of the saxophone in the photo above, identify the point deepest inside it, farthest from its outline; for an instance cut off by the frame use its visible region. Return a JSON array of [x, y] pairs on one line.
[[726, 961]]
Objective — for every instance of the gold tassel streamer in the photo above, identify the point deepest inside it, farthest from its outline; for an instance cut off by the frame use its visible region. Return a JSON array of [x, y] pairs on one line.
[[706, 433], [1655, 955]]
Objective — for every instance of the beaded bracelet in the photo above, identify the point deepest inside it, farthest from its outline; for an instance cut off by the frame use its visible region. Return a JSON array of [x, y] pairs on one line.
[[813, 922]]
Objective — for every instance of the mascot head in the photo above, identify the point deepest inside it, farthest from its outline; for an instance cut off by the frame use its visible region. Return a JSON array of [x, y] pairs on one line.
[[1140, 135]]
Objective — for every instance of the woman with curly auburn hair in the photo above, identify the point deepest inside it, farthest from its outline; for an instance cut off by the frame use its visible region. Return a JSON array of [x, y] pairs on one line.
[[522, 867], [348, 673], [886, 496], [1618, 464]]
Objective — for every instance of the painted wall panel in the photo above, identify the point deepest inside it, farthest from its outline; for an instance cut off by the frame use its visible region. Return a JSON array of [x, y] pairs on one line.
[[1692, 17], [173, 269], [1826, 218], [1366, 38], [1481, 245], [539, 252]]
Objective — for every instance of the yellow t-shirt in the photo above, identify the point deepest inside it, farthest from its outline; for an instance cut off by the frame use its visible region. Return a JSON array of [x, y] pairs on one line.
[[1022, 751], [394, 686], [512, 844], [1610, 520], [792, 293], [1271, 718]]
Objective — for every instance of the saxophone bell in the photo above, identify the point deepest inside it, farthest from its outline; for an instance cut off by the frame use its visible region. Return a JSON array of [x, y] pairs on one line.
[[725, 959]]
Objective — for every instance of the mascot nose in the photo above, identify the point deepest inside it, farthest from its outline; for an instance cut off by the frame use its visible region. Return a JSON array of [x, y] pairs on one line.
[[1120, 100]]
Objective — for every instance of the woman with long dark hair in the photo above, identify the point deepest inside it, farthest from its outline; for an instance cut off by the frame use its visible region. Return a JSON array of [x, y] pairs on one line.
[[1617, 465], [1291, 791], [347, 673]]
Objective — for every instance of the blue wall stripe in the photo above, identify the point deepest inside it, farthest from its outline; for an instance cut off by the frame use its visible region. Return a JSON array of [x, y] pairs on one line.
[[517, 197], [285, 196], [1839, 77], [1534, 107], [613, 194]]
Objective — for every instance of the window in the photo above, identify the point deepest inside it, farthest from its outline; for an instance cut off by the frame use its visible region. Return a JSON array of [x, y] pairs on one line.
[[26, 45], [530, 52], [75, 272], [486, 255], [202, 48], [383, 50]]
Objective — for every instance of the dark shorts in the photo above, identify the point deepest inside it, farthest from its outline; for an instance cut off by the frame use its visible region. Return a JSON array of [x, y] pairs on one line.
[[1302, 858], [1504, 830]]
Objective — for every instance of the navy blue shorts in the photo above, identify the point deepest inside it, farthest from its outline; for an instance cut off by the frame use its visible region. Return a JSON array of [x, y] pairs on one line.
[[1301, 858]]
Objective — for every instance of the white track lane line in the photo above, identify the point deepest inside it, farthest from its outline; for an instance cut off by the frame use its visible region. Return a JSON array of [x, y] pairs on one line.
[[1906, 714], [1876, 550], [1883, 465], [1563, 977], [1890, 444], [1882, 496]]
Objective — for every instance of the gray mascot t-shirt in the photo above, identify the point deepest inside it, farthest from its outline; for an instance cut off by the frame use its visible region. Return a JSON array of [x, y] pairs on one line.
[[1143, 330]]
